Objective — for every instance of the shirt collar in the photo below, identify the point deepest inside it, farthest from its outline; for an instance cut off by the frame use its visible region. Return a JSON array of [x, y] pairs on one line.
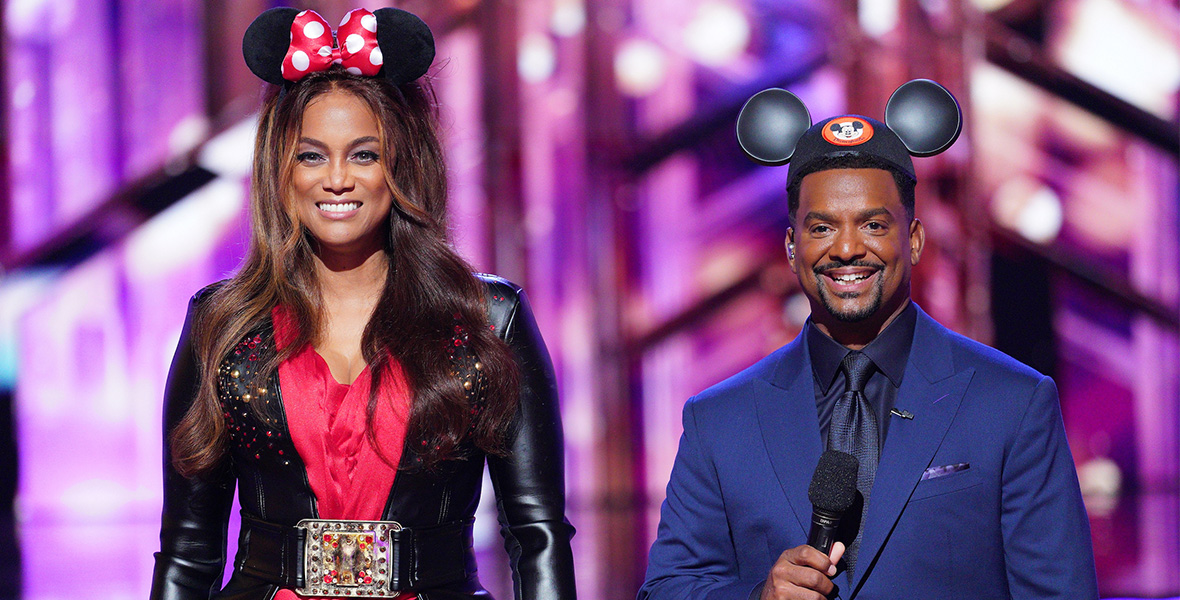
[[890, 351]]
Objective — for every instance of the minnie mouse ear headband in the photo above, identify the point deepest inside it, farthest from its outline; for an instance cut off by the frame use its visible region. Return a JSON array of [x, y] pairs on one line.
[[283, 45], [921, 119]]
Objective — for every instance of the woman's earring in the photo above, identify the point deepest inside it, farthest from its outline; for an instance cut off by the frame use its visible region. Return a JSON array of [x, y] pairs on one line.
[[791, 250]]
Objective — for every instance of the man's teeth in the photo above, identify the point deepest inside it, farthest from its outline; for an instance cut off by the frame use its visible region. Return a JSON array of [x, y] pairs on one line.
[[852, 278], [341, 207]]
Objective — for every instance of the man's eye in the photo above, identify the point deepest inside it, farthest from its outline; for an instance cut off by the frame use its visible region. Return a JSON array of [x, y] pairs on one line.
[[820, 229], [874, 226]]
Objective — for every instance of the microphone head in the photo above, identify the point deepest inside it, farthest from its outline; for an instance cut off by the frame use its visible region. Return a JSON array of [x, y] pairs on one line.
[[833, 487]]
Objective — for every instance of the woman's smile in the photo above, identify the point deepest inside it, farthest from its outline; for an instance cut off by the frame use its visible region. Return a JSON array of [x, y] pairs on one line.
[[339, 210]]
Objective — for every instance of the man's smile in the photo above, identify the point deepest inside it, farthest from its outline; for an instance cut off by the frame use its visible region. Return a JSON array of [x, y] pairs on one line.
[[850, 279]]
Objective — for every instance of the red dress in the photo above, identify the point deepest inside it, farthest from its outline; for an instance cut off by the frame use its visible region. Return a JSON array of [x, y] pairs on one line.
[[351, 479]]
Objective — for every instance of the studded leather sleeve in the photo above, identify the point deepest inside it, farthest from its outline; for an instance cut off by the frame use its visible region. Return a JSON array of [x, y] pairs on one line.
[[530, 481], [196, 511]]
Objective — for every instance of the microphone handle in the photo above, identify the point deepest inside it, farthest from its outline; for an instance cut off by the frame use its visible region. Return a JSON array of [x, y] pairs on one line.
[[823, 530]]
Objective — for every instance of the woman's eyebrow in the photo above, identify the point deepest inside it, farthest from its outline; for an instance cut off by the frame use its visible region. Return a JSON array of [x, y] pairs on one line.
[[358, 141]]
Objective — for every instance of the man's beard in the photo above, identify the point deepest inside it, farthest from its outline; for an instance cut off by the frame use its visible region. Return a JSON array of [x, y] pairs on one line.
[[849, 316]]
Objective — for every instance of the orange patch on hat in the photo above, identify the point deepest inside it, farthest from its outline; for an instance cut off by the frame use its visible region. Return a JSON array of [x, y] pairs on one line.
[[847, 131]]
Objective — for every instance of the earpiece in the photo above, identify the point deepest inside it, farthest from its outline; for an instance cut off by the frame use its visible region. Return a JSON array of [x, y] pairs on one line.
[[407, 43], [266, 42], [282, 45], [925, 116], [770, 125], [774, 128]]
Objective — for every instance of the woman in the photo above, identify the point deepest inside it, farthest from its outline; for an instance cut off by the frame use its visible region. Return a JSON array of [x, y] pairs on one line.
[[353, 376]]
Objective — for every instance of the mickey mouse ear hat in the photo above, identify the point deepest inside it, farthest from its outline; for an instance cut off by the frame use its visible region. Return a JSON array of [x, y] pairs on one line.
[[283, 45], [922, 118]]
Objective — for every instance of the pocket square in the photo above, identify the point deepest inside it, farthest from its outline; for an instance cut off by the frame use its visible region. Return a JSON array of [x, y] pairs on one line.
[[943, 471]]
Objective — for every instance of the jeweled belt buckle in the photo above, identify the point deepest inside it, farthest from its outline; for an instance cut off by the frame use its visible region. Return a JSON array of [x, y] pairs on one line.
[[347, 558]]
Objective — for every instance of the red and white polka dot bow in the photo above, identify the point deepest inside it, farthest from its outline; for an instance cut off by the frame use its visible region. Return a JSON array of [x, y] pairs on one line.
[[312, 48]]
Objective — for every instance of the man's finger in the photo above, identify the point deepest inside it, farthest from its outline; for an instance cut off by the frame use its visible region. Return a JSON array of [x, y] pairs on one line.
[[837, 552], [806, 556]]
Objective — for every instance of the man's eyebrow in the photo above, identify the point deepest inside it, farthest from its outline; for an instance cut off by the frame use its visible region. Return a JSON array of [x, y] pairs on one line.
[[865, 214], [818, 216], [875, 212]]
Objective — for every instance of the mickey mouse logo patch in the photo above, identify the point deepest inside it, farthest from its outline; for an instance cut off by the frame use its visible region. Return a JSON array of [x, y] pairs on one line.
[[848, 131]]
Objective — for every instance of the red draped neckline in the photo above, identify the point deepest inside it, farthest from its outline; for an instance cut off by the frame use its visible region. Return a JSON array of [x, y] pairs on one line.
[[328, 424]]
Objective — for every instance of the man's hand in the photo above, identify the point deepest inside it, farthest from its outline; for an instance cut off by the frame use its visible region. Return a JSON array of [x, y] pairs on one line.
[[802, 573]]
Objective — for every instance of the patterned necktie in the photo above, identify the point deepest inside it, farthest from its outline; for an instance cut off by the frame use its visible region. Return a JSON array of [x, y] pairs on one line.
[[854, 430]]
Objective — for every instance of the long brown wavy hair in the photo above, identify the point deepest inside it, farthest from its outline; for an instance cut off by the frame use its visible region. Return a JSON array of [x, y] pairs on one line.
[[429, 288]]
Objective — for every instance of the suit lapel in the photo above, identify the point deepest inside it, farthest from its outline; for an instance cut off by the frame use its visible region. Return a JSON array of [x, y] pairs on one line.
[[790, 427], [931, 389]]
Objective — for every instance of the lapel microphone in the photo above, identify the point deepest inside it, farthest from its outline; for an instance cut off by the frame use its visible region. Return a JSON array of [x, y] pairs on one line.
[[832, 492]]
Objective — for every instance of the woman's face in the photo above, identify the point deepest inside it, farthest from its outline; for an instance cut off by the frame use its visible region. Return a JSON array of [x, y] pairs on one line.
[[338, 184]]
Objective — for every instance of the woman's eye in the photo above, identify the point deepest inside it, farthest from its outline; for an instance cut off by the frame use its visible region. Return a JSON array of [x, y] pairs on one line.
[[366, 156], [309, 157]]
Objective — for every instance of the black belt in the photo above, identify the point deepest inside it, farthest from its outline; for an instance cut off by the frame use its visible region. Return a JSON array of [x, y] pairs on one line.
[[418, 558]]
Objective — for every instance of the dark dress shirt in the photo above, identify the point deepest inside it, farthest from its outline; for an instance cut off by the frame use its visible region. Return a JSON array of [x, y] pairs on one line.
[[890, 352]]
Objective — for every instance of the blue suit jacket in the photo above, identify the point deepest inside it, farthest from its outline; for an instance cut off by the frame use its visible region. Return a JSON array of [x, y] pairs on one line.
[[1012, 525]]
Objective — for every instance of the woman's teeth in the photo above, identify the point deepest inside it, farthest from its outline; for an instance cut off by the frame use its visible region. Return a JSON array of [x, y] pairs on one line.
[[339, 207]]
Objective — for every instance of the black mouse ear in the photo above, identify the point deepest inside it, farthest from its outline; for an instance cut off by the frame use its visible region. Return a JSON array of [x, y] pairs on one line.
[[266, 42], [770, 125], [406, 45], [925, 116]]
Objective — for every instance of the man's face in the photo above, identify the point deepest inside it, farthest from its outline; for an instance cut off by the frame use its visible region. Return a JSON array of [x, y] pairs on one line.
[[854, 246]]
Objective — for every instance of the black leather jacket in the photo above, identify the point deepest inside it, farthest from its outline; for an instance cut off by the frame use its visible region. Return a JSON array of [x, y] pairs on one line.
[[273, 484]]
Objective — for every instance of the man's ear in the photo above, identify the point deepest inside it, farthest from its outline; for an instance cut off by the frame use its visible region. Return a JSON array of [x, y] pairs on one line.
[[917, 240], [790, 243]]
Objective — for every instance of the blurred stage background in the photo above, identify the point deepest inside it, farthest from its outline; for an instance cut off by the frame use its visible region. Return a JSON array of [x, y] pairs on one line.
[[593, 160]]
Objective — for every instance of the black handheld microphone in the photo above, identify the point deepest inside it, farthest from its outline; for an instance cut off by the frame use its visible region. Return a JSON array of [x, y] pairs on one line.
[[832, 491]]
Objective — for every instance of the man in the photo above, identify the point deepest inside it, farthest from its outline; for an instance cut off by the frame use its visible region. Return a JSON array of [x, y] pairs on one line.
[[971, 490]]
